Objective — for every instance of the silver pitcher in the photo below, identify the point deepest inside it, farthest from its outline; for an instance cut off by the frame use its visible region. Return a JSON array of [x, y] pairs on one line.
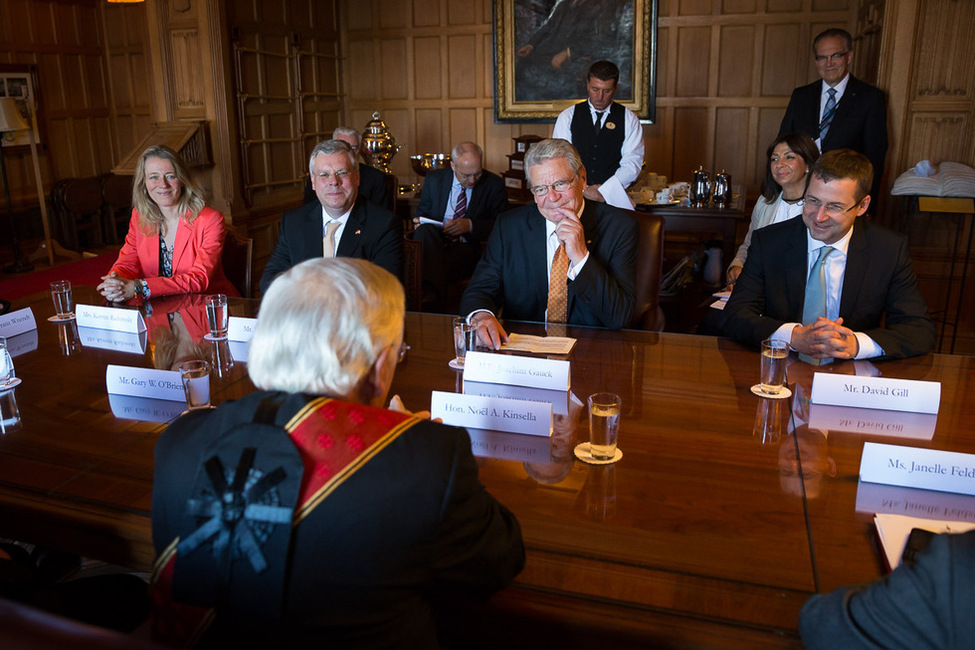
[[701, 188], [721, 192]]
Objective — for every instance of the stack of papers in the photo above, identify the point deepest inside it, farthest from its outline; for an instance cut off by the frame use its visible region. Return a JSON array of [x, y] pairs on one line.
[[722, 299], [539, 344]]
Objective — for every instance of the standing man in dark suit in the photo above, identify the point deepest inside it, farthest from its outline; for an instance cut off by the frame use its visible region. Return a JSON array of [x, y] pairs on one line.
[[308, 515], [831, 285], [340, 223], [372, 182], [562, 259], [840, 111], [456, 213], [608, 136]]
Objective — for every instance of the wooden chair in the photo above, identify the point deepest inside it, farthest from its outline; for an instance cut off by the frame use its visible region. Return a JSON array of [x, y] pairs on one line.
[[647, 314], [82, 204], [391, 193], [117, 206], [238, 262], [412, 274]]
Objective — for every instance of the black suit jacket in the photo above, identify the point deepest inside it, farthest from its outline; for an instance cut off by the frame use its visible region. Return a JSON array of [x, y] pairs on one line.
[[860, 122], [880, 294], [488, 200], [372, 187], [512, 277], [372, 233], [409, 528]]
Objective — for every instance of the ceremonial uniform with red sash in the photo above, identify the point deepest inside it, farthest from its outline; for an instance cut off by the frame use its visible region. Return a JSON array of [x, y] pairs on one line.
[[288, 519]]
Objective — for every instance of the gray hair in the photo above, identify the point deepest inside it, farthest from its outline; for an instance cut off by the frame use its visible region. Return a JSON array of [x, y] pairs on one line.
[[542, 152], [464, 148], [346, 130], [323, 324], [329, 147]]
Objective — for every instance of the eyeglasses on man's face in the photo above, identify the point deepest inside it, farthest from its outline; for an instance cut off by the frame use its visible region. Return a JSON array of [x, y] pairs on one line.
[[833, 58], [339, 175], [558, 186], [813, 205]]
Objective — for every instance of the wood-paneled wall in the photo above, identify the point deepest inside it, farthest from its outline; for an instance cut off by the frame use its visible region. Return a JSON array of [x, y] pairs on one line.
[[725, 71]]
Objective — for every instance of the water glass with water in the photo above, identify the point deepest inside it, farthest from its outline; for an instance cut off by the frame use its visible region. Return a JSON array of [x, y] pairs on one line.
[[63, 300], [775, 356], [218, 316], [464, 336], [7, 374], [196, 383], [604, 425]]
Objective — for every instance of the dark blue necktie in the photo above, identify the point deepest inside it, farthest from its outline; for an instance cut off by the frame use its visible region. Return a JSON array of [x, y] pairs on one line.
[[828, 113]]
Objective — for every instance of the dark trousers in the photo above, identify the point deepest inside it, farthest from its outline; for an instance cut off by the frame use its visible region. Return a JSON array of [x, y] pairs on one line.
[[443, 261]]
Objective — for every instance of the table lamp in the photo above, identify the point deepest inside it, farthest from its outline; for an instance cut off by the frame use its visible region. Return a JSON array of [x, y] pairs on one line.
[[11, 120]]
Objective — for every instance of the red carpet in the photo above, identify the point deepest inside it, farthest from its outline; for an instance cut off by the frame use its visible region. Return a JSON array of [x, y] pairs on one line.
[[83, 272]]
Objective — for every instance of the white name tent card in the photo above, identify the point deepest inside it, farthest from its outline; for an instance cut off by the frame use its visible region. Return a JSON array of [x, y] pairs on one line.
[[494, 413], [510, 446], [17, 322], [109, 318], [559, 399], [109, 340], [239, 350], [876, 393], [895, 500], [145, 382], [874, 422], [145, 409], [550, 374], [929, 469], [240, 328]]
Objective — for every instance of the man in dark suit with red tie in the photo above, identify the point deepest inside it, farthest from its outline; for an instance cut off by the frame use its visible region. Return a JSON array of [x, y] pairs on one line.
[[561, 259], [456, 213], [840, 111]]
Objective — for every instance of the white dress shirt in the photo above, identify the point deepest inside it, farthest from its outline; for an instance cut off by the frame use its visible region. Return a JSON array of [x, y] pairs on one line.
[[632, 149]]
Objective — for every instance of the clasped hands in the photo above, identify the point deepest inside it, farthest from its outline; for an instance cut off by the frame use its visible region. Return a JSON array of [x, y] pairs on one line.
[[825, 339], [454, 228], [116, 289]]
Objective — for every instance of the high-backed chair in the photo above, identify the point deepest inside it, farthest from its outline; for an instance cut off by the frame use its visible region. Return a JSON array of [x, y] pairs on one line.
[[647, 314], [82, 203], [391, 193], [117, 206], [412, 274], [238, 261]]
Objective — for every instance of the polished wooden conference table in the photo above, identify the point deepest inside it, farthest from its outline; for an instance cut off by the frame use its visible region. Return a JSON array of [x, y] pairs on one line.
[[706, 534]]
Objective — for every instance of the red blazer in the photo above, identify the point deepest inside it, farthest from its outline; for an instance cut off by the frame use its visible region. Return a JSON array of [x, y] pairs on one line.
[[197, 267]]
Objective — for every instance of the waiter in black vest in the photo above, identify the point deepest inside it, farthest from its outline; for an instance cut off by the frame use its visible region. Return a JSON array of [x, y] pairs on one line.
[[608, 136]]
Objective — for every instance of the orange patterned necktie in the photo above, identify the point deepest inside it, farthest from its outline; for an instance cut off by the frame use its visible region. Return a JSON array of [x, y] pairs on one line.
[[558, 289]]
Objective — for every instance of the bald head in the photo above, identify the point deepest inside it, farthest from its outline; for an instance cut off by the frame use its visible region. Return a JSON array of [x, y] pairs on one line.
[[466, 161]]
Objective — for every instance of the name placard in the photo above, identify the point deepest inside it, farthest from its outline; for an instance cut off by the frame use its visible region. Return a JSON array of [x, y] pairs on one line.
[[550, 374], [876, 393], [145, 409], [145, 382], [559, 399], [17, 322], [494, 413], [239, 350], [109, 340], [240, 328], [929, 469], [22, 343], [874, 422], [894, 500], [510, 446], [109, 318]]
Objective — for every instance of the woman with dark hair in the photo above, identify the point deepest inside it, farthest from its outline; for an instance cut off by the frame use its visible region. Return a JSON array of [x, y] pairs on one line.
[[174, 241], [789, 159]]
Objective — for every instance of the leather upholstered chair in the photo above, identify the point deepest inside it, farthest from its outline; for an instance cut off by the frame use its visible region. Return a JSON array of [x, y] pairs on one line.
[[238, 261], [647, 314]]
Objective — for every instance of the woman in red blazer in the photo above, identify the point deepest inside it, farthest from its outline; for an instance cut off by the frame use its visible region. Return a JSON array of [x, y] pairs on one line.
[[174, 241]]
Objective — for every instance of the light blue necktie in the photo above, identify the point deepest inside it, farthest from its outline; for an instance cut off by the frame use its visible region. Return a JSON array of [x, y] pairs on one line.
[[814, 303], [828, 113]]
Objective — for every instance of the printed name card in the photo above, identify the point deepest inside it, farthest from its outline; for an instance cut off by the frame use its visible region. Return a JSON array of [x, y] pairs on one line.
[[550, 374], [109, 318], [509, 446], [875, 498], [145, 382], [494, 413], [929, 469], [17, 322], [108, 340], [240, 328], [559, 399], [145, 409], [874, 422], [876, 393]]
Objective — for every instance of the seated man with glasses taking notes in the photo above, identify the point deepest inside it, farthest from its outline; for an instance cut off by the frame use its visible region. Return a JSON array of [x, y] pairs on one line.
[[307, 515], [831, 285], [561, 259]]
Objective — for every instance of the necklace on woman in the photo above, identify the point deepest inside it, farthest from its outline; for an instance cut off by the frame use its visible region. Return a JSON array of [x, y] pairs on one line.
[[792, 201]]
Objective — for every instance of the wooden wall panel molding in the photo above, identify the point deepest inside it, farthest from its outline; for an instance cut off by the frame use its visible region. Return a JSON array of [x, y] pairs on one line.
[[939, 137], [187, 82]]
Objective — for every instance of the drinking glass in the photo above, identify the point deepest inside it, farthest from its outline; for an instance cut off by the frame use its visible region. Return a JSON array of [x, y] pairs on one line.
[[217, 316], [63, 300], [604, 425], [7, 374], [196, 383], [464, 334], [775, 355]]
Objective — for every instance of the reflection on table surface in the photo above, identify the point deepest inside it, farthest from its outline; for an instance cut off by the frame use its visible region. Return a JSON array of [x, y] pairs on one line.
[[725, 514]]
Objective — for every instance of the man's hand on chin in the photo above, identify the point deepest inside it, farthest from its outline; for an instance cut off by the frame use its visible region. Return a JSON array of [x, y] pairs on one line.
[[825, 339]]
